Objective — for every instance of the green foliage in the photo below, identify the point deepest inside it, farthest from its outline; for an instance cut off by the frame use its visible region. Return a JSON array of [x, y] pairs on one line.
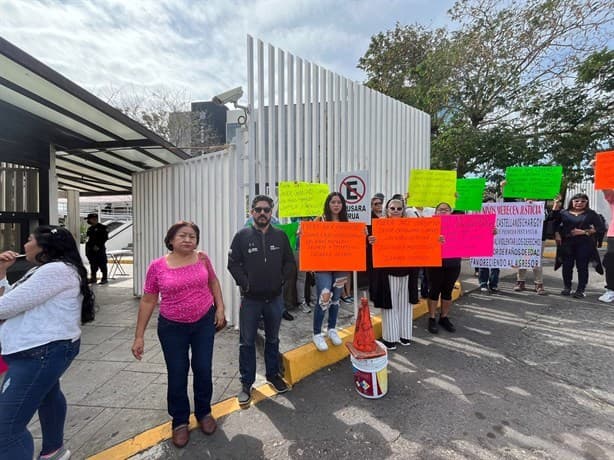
[[501, 87]]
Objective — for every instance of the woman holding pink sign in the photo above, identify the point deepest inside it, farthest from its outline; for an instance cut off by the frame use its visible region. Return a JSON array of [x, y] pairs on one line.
[[441, 284]]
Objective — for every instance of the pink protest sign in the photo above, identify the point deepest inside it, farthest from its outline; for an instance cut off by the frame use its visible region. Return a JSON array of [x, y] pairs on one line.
[[3, 366], [468, 235]]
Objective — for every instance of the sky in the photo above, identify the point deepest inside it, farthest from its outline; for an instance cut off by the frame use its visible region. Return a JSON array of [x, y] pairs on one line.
[[198, 46]]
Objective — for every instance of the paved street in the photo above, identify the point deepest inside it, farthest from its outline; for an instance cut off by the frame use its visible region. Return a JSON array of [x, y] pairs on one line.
[[524, 377]]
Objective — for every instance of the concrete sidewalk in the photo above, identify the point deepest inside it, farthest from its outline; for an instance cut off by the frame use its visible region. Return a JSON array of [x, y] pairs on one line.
[[112, 397]]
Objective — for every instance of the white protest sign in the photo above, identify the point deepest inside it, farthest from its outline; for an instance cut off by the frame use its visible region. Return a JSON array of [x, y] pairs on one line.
[[518, 242], [354, 186]]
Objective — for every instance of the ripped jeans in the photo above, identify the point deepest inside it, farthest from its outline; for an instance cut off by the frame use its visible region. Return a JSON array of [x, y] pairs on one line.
[[329, 287]]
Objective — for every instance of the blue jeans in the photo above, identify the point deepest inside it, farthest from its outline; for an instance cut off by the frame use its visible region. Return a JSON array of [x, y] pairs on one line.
[[249, 315], [32, 384], [326, 280], [489, 277], [176, 340]]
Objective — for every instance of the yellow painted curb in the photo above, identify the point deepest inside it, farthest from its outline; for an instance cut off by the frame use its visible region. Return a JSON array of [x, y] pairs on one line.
[[305, 360], [298, 364]]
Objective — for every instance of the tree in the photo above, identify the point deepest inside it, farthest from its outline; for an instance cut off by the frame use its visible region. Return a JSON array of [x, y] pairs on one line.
[[481, 81], [573, 122], [152, 108]]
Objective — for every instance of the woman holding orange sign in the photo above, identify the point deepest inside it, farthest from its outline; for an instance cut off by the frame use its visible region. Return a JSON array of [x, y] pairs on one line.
[[390, 290], [329, 284]]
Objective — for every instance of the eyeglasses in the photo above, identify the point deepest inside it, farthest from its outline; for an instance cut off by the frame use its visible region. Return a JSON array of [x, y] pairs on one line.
[[579, 201], [392, 208], [258, 210]]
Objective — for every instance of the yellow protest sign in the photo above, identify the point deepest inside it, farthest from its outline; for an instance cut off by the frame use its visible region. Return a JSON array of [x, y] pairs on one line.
[[301, 199], [429, 187]]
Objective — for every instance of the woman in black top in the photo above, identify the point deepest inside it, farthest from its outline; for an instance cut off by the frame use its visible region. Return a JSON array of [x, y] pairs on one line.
[[441, 284], [575, 230]]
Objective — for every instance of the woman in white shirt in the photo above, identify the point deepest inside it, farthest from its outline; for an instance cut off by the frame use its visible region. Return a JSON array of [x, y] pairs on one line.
[[40, 318]]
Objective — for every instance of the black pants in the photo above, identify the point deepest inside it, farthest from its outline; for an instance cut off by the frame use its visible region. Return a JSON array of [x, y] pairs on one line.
[[98, 260], [577, 250], [441, 281], [608, 264]]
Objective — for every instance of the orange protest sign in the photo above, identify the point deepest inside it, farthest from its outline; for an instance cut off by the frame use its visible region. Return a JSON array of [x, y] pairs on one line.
[[333, 246], [604, 170], [407, 242]]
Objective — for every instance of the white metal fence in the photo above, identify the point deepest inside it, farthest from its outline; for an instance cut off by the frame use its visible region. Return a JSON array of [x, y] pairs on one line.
[[200, 190], [308, 123], [305, 123]]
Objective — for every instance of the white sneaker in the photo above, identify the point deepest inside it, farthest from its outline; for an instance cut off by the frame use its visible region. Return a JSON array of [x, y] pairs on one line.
[[334, 337], [304, 307], [320, 342], [608, 296], [484, 289]]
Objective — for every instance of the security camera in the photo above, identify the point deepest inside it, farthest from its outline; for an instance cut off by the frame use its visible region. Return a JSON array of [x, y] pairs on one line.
[[232, 95]]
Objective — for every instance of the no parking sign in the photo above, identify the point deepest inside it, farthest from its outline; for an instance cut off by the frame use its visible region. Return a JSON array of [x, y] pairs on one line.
[[354, 186]]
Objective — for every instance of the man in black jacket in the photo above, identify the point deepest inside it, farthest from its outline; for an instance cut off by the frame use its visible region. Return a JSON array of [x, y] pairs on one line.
[[95, 250], [260, 259]]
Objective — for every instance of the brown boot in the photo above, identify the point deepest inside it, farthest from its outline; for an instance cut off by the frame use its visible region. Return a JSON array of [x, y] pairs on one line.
[[539, 288], [181, 436], [519, 286], [208, 425]]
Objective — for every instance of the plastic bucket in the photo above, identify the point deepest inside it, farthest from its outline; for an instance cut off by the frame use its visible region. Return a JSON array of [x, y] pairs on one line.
[[371, 376]]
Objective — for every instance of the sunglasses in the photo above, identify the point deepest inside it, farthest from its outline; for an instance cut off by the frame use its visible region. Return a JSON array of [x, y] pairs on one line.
[[258, 210], [377, 203], [392, 208]]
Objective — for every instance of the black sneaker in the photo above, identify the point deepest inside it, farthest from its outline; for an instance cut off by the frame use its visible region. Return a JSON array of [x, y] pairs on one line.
[[287, 316], [433, 329], [278, 383], [446, 324], [104, 281], [494, 290], [389, 345], [566, 292], [245, 395], [579, 295], [405, 342]]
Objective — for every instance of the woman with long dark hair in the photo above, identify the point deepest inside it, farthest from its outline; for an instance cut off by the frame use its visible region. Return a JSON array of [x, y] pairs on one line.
[[40, 318], [329, 284], [575, 230]]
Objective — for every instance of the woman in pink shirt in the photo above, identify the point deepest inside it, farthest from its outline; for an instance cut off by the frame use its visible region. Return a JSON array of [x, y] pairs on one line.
[[191, 309]]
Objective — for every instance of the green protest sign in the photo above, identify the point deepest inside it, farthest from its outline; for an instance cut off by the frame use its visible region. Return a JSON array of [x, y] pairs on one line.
[[533, 182], [469, 194], [290, 231]]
